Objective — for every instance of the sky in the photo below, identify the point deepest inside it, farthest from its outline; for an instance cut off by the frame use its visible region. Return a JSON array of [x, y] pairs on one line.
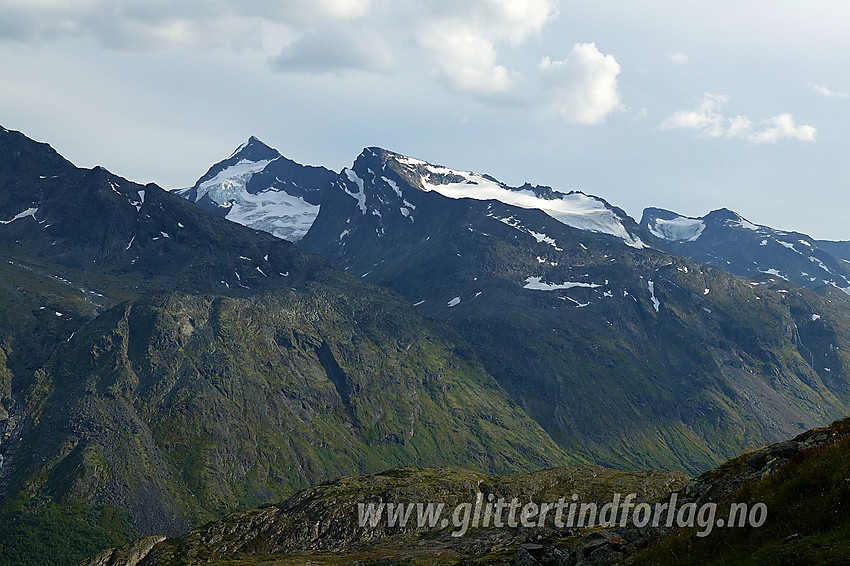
[[688, 106]]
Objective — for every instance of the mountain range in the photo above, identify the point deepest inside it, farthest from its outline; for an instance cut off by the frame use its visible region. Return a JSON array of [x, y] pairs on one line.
[[621, 347], [162, 365]]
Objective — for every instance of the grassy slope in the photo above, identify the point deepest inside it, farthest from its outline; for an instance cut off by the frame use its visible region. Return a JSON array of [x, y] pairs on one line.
[[181, 408], [808, 497]]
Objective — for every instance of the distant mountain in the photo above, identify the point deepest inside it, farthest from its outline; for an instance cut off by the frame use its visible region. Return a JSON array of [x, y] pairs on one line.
[[630, 356], [161, 367], [574, 209], [94, 223], [257, 187], [584, 325], [726, 240]]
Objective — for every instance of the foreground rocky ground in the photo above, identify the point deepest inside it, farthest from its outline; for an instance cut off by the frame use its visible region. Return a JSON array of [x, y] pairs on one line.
[[805, 484]]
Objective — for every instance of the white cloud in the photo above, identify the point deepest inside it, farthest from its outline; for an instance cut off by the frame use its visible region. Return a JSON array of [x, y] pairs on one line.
[[458, 40], [462, 39], [464, 43], [466, 61], [156, 24], [337, 9], [708, 121], [516, 20], [778, 127], [583, 87], [820, 89], [678, 58], [335, 49]]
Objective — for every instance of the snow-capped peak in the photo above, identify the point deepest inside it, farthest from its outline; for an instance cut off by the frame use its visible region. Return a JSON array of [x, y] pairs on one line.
[[257, 187], [725, 239], [574, 208]]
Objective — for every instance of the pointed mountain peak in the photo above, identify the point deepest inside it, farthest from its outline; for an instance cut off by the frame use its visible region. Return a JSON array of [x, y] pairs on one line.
[[377, 170], [377, 158], [730, 218], [254, 150]]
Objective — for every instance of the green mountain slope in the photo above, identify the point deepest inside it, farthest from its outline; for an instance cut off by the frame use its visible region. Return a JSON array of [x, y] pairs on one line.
[[802, 484]]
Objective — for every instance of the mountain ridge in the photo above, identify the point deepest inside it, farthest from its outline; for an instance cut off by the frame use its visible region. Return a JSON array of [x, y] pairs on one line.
[[725, 239]]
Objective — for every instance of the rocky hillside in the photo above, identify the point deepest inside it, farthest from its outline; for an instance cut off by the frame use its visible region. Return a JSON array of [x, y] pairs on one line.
[[803, 483], [800, 482], [321, 525]]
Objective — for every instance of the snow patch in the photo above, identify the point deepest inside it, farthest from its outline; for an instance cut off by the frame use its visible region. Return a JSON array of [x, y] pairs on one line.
[[541, 238], [360, 195], [232, 180], [394, 186], [276, 212], [813, 259], [788, 245], [24, 214], [742, 222], [655, 302], [680, 229], [537, 284], [574, 209]]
